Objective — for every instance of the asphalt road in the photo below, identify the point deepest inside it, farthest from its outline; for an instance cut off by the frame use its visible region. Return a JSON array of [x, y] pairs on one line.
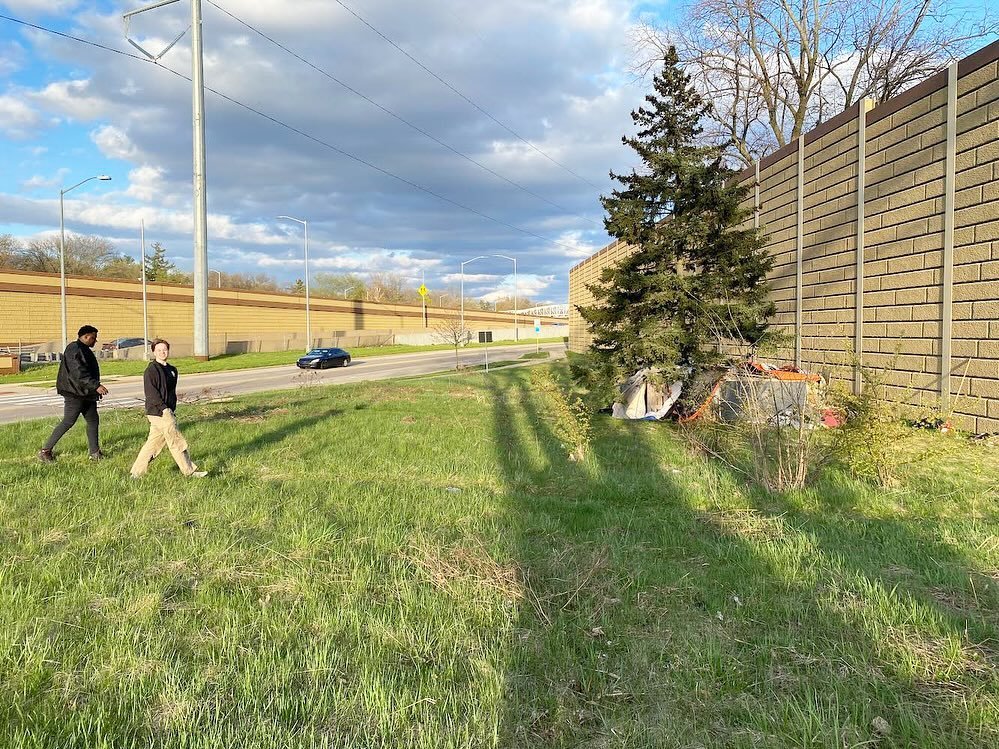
[[20, 403]]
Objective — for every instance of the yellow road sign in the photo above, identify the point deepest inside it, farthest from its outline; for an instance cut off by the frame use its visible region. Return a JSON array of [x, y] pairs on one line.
[[423, 290]]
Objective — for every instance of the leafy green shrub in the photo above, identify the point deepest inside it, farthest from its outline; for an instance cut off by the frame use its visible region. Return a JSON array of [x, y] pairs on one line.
[[570, 416], [596, 379], [869, 440]]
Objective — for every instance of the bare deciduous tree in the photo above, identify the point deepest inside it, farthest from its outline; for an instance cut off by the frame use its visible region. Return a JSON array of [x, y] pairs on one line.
[[342, 285], [452, 332], [390, 287], [775, 68], [85, 255], [10, 249]]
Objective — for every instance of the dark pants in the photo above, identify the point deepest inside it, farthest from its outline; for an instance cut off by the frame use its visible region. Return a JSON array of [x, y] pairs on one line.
[[72, 410]]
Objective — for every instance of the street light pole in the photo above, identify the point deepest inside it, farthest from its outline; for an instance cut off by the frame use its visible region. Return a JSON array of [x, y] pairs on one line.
[[463, 264], [218, 276], [62, 248], [516, 297], [308, 312]]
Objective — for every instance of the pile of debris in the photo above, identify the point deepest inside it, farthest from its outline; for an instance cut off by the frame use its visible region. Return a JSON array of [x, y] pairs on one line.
[[747, 390]]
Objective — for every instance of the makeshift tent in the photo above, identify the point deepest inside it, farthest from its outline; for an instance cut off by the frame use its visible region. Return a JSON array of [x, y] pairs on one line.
[[642, 399]]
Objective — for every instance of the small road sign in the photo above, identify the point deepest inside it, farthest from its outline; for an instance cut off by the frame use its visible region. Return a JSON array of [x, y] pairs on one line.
[[423, 290], [537, 325]]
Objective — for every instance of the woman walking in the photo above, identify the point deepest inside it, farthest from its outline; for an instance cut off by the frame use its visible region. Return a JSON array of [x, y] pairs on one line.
[[160, 386]]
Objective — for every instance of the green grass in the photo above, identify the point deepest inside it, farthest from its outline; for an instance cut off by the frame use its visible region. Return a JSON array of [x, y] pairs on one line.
[[45, 374], [418, 565]]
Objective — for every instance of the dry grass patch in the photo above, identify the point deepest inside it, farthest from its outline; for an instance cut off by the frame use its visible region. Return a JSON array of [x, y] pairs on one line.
[[457, 568]]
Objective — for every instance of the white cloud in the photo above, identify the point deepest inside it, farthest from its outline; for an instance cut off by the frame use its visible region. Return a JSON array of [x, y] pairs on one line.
[[114, 143], [17, 119], [469, 277], [38, 181], [35, 8], [12, 57], [144, 183], [572, 245], [359, 262], [596, 15], [72, 98], [527, 286]]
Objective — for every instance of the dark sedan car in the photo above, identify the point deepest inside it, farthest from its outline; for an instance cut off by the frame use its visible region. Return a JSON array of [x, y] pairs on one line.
[[123, 343], [323, 358]]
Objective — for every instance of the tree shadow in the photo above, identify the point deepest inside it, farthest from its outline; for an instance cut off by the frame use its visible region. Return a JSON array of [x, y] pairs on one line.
[[267, 438], [657, 614]]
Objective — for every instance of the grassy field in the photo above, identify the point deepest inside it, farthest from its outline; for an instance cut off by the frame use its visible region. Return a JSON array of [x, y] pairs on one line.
[[418, 565], [46, 373]]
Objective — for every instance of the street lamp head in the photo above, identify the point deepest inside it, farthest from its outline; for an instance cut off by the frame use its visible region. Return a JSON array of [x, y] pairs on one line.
[[104, 178]]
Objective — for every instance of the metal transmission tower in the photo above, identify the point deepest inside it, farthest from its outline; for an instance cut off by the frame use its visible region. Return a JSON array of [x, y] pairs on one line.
[[200, 198]]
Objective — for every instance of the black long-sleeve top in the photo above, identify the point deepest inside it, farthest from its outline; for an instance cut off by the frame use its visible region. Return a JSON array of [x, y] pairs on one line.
[[159, 383], [79, 373]]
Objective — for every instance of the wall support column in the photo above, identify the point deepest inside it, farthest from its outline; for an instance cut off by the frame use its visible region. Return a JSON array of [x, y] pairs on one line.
[[947, 281], [858, 342], [798, 306], [756, 197]]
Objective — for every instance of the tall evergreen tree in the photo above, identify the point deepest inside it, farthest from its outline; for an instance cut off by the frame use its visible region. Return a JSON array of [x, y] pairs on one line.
[[298, 287], [158, 268], [698, 275]]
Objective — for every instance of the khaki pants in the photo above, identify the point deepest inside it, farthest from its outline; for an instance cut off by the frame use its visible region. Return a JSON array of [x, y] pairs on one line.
[[163, 431]]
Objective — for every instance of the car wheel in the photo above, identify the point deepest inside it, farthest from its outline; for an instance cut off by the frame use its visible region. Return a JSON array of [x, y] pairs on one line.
[[345, 362]]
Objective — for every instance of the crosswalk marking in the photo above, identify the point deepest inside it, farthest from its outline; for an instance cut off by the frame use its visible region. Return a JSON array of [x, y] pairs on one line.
[[57, 400]]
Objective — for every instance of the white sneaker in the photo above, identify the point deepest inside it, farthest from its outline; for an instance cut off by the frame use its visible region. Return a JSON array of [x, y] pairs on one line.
[[198, 475]]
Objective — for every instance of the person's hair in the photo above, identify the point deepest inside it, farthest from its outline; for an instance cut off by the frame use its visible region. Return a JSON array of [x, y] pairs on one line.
[[157, 342], [85, 330]]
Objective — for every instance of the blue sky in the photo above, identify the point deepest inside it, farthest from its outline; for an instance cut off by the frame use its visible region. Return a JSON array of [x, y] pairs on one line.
[[553, 71]]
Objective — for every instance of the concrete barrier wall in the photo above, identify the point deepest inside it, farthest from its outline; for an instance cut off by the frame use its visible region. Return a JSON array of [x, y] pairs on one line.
[[30, 310], [914, 289]]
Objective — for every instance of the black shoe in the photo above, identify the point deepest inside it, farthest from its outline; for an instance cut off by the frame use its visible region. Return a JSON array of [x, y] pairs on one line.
[[97, 455], [46, 456]]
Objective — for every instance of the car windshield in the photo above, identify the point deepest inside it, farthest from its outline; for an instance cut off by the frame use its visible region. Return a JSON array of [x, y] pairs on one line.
[[318, 352]]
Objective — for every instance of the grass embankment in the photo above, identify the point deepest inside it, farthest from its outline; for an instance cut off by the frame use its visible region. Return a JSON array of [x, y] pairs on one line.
[[419, 565], [46, 373]]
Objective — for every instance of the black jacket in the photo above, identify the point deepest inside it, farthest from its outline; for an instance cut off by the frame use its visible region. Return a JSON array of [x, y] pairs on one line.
[[79, 373], [159, 383]]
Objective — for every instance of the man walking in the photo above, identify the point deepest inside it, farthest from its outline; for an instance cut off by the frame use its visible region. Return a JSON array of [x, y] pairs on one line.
[[79, 383], [160, 386]]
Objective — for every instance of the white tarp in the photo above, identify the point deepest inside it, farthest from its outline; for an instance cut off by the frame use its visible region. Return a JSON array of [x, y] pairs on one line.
[[641, 399]]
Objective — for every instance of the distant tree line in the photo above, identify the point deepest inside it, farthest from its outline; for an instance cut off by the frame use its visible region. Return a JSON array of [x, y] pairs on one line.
[[88, 255]]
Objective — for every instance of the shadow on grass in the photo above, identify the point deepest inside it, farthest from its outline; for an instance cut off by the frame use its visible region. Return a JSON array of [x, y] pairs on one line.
[[286, 429], [673, 607]]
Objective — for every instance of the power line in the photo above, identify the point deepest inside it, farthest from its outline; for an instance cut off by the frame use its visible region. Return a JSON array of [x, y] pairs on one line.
[[293, 129], [463, 96], [398, 117]]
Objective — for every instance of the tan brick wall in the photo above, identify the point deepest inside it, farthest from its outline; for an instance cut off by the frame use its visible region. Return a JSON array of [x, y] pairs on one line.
[[30, 310], [903, 259]]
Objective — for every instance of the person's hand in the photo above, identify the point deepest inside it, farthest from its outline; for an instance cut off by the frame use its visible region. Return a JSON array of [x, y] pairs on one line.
[[101, 390]]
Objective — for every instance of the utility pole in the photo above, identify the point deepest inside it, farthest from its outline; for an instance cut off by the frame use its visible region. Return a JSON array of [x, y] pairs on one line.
[[200, 192], [200, 198], [145, 313]]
